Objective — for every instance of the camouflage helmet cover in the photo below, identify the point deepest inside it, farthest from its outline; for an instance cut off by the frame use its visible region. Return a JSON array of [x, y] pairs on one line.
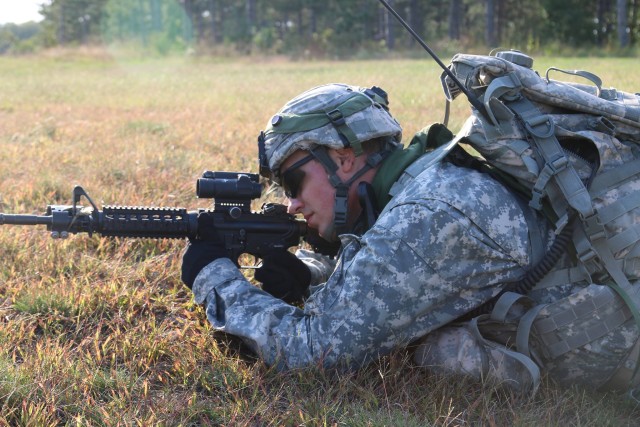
[[308, 121]]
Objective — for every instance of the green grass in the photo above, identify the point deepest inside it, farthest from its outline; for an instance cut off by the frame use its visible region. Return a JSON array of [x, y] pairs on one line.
[[101, 332]]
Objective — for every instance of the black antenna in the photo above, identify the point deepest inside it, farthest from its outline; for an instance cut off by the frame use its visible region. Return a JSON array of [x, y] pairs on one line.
[[472, 99]]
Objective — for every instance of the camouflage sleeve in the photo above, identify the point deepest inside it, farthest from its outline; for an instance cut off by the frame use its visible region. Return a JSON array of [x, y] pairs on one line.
[[422, 265], [320, 266]]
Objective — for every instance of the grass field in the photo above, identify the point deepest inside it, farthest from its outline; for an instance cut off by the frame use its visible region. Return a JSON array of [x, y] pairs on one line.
[[102, 332]]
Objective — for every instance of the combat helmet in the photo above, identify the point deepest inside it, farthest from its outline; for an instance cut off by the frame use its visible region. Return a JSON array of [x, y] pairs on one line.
[[330, 116]]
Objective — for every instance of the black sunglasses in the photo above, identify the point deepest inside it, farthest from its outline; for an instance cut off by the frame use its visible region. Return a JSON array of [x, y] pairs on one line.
[[293, 176]]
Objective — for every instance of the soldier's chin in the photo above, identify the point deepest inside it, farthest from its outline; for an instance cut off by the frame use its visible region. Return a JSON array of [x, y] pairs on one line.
[[329, 234]]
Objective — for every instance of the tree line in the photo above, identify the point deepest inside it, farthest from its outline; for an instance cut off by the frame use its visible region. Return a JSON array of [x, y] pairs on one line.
[[334, 27]]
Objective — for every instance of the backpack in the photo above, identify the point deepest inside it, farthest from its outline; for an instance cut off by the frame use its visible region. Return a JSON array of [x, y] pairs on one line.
[[573, 151]]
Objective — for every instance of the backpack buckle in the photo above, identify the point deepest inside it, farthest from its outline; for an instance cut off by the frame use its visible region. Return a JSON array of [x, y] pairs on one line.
[[551, 168], [536, 198], [593, 227], [558, 164], [590, 261]]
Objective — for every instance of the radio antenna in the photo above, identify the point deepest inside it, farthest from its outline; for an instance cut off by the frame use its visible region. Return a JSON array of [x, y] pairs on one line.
[[472, 99]]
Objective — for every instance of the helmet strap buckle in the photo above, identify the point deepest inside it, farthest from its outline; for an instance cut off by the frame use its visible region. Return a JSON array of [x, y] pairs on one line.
[[348, 137]]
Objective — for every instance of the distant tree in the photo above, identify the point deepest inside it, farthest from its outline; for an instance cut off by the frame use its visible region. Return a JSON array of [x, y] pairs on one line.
[[490, 23], [390, 28], [156, 15], [338, 27], [572, 22], [23, 31], [8, 40], [74, 21], [19, 38], [623, 35], [160, 25], [633, 23], [455, 19], [416, 18]]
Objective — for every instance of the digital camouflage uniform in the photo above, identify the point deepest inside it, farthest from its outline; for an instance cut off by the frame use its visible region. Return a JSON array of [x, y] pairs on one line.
[[447, 241], [442, 246]]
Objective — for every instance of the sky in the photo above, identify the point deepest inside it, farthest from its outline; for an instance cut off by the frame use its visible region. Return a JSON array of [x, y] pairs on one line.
[[20, 11]]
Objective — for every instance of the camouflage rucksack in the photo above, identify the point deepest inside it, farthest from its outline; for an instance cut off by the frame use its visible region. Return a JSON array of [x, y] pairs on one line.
[[573, 150]]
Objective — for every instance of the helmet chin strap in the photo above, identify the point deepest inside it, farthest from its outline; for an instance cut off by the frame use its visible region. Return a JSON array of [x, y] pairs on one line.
[[340, 205]]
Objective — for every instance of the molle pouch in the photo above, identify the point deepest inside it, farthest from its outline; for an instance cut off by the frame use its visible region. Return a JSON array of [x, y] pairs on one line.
[[587, 338]]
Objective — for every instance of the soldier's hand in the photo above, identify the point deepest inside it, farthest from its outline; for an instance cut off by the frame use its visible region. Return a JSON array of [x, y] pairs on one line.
[[284, 276], [198, 255]]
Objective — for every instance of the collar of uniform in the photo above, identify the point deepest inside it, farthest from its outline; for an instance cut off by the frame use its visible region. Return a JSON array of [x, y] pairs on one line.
[[428, 138]]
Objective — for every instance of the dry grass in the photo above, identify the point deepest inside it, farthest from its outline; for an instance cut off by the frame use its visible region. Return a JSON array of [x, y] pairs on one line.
[[101, 332]]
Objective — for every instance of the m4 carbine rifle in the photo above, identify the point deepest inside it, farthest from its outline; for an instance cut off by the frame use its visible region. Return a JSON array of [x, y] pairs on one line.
[[231, 222]]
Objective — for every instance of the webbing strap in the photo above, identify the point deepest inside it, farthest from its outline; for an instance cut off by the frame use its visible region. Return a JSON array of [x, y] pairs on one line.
[[630, 294], [293, 123], [541, 128], [284, 123], [620, 379], [503, 85], [447, 111], [585, 74], [348, 136], [624, 239], [565, 276], [342, 188], [504, 304], [501, 309], [525, 361], [524, 329], [620, 207], [537, 192], [519, 147]]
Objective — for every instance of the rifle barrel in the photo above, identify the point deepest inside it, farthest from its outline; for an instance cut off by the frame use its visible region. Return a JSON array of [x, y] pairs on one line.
[[25, 219]]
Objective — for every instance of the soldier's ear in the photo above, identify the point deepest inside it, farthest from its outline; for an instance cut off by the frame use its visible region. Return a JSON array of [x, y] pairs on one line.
[[345, 158]]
